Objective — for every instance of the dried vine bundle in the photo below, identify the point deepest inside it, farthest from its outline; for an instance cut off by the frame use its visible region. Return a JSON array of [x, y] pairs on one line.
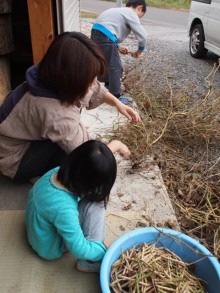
[[151, 269], [182, 135]]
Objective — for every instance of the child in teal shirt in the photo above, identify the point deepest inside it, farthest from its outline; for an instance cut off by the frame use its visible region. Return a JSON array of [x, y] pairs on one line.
[[66, 206]]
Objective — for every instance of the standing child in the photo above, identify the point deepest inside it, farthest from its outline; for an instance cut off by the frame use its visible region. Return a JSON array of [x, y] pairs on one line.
[[109, 30], [66, 206]]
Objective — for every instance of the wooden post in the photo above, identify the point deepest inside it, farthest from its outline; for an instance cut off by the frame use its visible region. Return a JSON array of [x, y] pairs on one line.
[[41, 27]]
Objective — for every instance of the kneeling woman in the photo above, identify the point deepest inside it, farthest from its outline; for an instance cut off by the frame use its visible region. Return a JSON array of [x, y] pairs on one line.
[[40, 120], [66, 206]]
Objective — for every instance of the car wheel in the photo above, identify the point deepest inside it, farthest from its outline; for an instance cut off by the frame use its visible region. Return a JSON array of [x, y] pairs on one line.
[[196, 42]]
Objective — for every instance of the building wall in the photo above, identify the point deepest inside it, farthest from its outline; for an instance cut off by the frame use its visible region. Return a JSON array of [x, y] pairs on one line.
[[71, 15]]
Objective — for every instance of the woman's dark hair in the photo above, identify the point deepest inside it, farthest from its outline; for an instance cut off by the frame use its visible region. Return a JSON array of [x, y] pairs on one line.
[[135, 3], [89, 171], [70, 65]]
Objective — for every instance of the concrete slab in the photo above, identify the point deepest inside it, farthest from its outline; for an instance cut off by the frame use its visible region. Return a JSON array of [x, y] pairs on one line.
[[138, 196]]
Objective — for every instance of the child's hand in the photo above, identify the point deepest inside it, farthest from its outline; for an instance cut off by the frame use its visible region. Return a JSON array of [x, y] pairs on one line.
[[124, 151], [107, 244], [136, 54], [123, 50], [117, 146]]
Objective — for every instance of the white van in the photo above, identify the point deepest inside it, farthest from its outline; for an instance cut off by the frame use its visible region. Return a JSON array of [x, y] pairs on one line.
[[204, 27]]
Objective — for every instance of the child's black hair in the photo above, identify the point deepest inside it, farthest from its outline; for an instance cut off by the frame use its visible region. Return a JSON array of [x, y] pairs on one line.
[[89, 171], [135, 3]]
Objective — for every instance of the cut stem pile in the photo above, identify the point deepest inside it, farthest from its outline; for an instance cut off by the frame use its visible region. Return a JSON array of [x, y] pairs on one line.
[[151, 269], [182, 135]]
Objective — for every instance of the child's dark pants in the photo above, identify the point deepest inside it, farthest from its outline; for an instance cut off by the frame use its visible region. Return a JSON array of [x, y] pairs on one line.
[[40, 157], [115, 69]]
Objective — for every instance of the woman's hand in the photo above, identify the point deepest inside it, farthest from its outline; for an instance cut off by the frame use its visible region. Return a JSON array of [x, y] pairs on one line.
[[116, 146], [136, 54], [128, 112], [125, 110]]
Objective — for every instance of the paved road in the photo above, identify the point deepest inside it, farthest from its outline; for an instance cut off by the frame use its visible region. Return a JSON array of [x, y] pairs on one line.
[[157, 16], [167, 47]]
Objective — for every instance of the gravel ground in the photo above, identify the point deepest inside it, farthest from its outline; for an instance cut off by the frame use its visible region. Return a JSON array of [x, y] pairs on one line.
[[166, 61]]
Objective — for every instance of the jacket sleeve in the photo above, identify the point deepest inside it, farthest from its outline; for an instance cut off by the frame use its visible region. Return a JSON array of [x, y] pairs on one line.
[[67, 225], [95, 97], [138, 30]]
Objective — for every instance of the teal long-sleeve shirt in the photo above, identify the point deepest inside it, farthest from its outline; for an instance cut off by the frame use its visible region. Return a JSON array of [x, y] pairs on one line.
[[52, 222]]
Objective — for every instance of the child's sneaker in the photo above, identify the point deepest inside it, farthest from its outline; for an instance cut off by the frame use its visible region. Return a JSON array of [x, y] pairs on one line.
[[86, 266], [125, 100]]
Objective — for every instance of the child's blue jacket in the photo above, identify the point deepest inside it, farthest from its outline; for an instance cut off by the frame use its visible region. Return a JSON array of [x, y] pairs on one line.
[[52, 222]]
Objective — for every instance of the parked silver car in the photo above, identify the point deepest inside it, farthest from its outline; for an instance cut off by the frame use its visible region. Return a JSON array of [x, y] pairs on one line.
[[204, 27]]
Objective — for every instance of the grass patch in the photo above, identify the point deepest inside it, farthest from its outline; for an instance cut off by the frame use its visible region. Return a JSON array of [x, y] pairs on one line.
[[171, 4], [85, 14]]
